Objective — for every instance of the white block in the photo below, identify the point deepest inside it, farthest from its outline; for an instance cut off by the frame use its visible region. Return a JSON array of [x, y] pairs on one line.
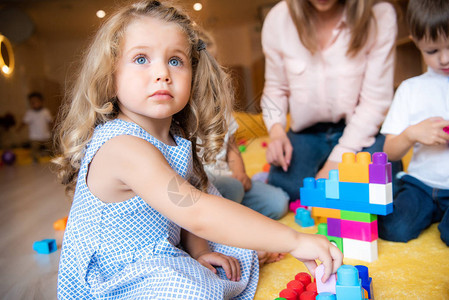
[[380, 193], [361, 250]]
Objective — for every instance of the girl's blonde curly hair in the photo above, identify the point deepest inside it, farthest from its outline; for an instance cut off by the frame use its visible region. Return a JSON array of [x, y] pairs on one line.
[[91, 100]]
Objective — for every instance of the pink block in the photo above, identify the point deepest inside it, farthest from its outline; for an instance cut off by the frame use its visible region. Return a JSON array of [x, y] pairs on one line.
[[361, 231], [293, 206], [329, 285]]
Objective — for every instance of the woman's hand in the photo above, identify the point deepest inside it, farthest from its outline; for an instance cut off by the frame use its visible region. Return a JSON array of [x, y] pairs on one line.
[[279, 151], [230, 264]]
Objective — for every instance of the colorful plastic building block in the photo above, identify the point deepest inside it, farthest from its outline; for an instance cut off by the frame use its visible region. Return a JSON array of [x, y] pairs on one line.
[[303, 218], [326, 296], [354, 168], [329, 285], [357, 216], [242, 148], [354, 192], [361, 250], [349, 286], [304, 278], [297, 286], [294, 205], [381, 193], [313, 193], [337, 241], [60, 224], [288, 294], [332, 185], [446, 129], [361, 231], [334, 227], [308, 295], [380, 169], [367, 282], [326, 212], [46, 246]]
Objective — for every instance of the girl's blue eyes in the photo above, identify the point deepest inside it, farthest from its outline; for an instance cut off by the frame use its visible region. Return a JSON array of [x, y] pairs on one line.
[[175, 62], [141, 60]]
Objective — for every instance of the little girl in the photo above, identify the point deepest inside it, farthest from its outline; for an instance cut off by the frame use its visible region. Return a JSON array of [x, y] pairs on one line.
[[146, 89]]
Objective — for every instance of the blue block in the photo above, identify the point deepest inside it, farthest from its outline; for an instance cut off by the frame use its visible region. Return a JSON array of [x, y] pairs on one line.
[[325, 296], [366, 280], [303, 218], [349, 286], [313, 193], [332, 185], [46, 246], [375, 209], [354, 192]]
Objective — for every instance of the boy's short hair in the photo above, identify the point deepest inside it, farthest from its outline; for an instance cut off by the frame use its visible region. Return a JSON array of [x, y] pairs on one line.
[[428, 19], [35, 94]]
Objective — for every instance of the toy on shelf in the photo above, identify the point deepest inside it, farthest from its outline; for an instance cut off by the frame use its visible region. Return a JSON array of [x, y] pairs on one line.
[[46, 246], [350, 200]]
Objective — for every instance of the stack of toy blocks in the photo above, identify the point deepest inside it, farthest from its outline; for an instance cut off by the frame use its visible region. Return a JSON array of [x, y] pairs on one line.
[[350, 200]]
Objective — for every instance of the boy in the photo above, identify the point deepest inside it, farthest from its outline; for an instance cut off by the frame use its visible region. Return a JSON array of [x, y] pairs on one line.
[[418, 118], [39, 121]]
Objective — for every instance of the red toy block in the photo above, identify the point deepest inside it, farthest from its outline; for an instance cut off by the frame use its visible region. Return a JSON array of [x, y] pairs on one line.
[[380, 169], [329, 285], [311, 287], [304, 278], [361, 231], [288, 294], [297, 286], [308, 295], [446, 129], [354, 168]]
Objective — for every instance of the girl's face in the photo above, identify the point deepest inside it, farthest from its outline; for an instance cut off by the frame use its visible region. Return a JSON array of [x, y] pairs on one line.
[[154, 73], [324, 5], [435, 54]]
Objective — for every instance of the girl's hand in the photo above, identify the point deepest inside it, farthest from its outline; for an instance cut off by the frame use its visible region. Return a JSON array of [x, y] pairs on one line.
[[230, 264], [279, 150], [429, 132], [314, 246], [244, 179]]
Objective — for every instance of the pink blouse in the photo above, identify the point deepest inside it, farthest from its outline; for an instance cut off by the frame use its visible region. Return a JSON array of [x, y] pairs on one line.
[[329, 86]]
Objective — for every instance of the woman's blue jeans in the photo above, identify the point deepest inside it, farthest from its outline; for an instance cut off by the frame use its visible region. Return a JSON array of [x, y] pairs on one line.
[[311, 148]]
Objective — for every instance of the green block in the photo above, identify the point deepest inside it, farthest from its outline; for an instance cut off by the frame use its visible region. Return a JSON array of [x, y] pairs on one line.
[[322, 229], [357, 216]]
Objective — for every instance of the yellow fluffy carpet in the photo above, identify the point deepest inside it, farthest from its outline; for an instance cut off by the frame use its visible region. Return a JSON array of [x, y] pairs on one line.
[[418, 269]]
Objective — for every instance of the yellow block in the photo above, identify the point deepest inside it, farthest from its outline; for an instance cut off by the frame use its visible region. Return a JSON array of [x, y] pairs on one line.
[[354, 168], [326, 212]]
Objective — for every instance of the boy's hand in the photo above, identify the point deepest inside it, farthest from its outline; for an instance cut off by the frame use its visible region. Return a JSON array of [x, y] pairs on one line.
[[314, 246], [230, 264], [429, 132], [244, 179]]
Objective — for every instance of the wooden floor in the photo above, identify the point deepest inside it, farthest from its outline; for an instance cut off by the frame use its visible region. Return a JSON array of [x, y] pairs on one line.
[[30, 201]]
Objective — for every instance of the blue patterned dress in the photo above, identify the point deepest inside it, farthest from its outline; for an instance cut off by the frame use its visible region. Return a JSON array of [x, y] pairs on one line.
[[128, 250]]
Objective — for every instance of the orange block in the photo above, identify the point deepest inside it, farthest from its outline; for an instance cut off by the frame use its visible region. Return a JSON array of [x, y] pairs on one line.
[[354, 168], [326, 212], [60, 224]]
